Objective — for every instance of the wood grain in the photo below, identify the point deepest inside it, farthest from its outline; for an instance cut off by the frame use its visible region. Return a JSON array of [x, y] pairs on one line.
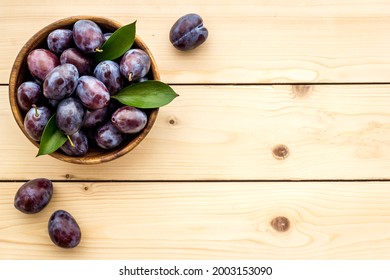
[[220, 174], [250, 41], [206, 221], [231, 132]]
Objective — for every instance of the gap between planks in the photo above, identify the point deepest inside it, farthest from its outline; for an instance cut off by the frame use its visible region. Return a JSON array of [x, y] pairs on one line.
[[212, 181], [269, 84]]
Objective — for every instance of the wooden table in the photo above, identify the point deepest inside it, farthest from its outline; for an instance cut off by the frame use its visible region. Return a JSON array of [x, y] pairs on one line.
[[277, 148]]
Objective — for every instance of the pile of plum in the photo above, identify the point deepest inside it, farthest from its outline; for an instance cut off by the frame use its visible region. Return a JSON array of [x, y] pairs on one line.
[[66, 81]]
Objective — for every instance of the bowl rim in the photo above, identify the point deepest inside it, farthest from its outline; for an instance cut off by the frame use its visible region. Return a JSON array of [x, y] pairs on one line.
[[15, 81]]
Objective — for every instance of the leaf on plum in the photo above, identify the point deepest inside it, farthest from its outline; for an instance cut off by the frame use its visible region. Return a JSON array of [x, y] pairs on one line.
[[146, 95], [118, 43], [52, 138]]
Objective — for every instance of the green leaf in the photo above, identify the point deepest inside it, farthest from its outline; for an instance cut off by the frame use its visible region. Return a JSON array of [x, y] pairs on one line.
[[145, 95], [118, 43], [52, 138]]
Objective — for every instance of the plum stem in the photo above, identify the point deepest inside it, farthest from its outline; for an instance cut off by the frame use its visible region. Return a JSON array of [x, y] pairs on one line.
[[130, 76], [70, 140], [98, 50], [36, 110]]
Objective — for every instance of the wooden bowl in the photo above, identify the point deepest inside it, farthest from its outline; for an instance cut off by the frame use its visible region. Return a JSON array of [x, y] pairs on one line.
[[20, 74]]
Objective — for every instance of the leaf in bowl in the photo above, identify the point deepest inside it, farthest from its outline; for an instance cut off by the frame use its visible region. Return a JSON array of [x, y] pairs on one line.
[[118, 43], [52, 138], [146, 95]]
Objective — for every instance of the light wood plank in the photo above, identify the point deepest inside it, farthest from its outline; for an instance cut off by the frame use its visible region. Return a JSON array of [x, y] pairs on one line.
[[229, 132], [206, 221], [250, 41]]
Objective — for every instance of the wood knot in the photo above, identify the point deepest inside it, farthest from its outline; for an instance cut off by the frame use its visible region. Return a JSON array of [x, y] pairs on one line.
[[280, 151], [280, 223], [86, 187], [301, 90], [172, 120]]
